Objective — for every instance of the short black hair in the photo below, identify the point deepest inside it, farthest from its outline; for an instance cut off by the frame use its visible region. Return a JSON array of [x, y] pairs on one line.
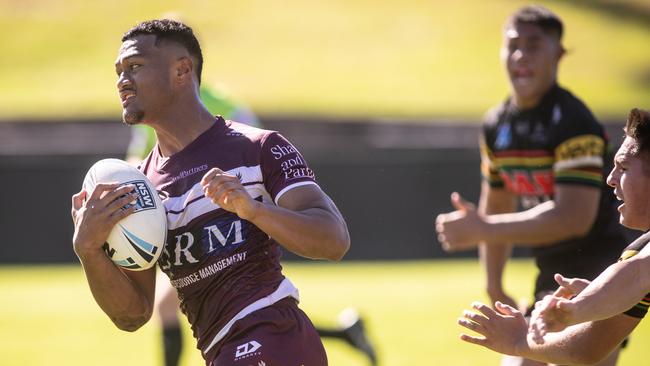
[[539, 16], [638, 128], [170, 30]]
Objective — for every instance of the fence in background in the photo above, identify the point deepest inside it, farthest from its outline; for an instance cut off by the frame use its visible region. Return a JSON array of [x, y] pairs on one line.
[[388, 178]]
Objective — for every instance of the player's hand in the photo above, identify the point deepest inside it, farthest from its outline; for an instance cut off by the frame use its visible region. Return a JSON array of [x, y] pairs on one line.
[[503, 330], [227, 191], [95, 216], [551, 314], [569, 287], [556, 312], [461, 229], [498, 295]]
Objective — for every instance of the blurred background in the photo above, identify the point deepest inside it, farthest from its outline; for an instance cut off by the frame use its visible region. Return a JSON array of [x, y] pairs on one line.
[[384, 99]]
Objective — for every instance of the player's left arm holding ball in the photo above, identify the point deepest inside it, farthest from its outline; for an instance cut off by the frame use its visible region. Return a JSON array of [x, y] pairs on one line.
[[305, 221], [125, 296]]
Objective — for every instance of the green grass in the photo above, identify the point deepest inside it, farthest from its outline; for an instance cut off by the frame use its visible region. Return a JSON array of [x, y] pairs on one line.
[[412, 58], [48, 316]]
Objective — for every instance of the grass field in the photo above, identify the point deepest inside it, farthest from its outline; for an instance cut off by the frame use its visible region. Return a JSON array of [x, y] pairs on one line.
[[413, 58], [47, 315]]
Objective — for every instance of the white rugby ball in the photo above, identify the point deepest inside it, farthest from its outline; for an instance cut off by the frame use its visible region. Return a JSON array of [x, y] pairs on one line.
[[135, 243]]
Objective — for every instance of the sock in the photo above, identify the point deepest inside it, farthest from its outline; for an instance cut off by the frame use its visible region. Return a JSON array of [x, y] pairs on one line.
[[172, 345], [330, 333]]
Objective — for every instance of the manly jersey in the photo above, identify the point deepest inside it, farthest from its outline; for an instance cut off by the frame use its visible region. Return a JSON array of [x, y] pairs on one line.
[[531, 152], [219, 263], [640, 309]]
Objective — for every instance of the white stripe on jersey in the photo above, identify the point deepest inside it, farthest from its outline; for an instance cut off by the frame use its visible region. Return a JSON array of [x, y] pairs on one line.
[[192, 204], [291, 186], [584, 161]]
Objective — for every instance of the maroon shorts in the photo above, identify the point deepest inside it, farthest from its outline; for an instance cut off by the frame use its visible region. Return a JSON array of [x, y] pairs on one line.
[[278, 335]]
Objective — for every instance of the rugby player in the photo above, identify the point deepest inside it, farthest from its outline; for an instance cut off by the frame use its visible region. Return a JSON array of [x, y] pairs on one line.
[[143, 139], [233, 194], [544, 148], [505, 329]]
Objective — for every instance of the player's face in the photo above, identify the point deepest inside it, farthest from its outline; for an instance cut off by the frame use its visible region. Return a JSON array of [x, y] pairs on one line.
[[531, 58], [144, 83], [631, 183]]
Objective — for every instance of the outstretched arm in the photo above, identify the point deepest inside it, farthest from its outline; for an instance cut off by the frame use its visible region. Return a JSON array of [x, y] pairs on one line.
[[617, 289], [505, 331], [547, 223], [541, 225]]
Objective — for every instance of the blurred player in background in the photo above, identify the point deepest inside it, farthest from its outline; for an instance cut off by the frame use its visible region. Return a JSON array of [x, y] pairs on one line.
[[543, 148], [222, 253], [598, 308]]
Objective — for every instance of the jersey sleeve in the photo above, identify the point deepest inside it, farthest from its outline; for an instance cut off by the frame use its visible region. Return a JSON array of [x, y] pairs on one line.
[[578, 142], [283, 167], [489, 170], [580, 160], [641, 309]]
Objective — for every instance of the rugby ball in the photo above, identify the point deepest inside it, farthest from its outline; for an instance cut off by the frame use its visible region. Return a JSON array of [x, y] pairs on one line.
[[135, 243]]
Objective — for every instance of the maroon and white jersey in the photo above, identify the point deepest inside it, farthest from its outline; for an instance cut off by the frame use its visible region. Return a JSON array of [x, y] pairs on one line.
[[224, 267]]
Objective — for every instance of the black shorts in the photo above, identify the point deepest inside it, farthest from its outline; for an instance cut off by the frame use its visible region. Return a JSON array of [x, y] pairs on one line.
[[278, 335]]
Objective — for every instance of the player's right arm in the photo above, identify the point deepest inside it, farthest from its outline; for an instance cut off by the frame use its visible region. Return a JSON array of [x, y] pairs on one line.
[[125, 296], [494, 255], [614, 291], [504, 330], [576, 197]]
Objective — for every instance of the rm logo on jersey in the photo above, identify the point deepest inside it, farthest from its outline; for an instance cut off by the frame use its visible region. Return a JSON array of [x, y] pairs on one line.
[[145, 200], [247, 350], [216, 236]]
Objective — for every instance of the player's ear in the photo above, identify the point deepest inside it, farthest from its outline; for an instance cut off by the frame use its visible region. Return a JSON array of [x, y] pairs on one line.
[[184, 69], [561, 52]]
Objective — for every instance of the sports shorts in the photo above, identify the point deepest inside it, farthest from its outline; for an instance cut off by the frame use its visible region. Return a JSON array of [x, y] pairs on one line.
[[277, 335]]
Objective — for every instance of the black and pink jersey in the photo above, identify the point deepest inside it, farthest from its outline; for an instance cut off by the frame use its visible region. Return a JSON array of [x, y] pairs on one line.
[[224, 267]]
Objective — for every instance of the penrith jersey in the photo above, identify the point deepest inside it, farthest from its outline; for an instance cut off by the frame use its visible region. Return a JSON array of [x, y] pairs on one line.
[[219, 263], [641, 309], [558, 142]]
